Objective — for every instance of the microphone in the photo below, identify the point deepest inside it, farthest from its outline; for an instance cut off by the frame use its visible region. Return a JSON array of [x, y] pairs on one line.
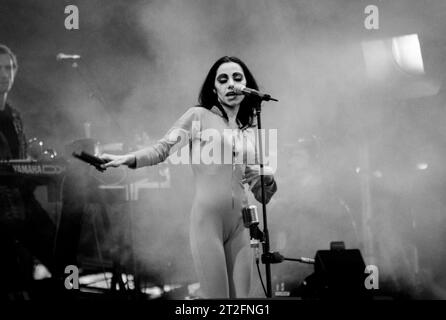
[[250, 216], [251, 221], [241, 89], [64, 56], [90, 159]]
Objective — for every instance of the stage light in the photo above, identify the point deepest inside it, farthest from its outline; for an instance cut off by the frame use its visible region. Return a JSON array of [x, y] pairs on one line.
[[381, 56], [407, 53], [394, 67], [422, 166]]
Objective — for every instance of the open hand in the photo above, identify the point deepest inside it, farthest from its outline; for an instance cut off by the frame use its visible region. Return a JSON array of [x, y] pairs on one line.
[[117, 160]]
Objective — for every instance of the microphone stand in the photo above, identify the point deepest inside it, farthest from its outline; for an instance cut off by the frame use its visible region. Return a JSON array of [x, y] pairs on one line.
[[265, 243], [268, 257]]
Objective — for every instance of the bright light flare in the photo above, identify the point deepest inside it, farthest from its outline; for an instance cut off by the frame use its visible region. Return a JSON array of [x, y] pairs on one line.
[[407, 53]]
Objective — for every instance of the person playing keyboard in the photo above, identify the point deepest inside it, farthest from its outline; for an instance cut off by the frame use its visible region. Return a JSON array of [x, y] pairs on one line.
[[26, 230]]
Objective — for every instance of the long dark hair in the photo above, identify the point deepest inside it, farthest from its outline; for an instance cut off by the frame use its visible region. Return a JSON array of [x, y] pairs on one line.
[[208, 98], [5, 50]]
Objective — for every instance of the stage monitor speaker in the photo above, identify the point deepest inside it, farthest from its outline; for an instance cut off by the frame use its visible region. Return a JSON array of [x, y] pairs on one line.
[[338, 274]]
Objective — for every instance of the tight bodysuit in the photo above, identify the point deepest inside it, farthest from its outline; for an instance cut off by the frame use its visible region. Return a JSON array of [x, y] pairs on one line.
[[219, 241]]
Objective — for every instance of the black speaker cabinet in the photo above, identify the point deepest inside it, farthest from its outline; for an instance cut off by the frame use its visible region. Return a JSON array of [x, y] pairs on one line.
[[338, 274]]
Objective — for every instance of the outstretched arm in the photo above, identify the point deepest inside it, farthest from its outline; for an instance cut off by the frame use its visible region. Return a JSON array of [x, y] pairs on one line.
[[176, 137]]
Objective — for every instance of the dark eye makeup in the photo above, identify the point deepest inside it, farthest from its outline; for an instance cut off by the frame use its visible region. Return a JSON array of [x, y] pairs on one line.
[[237, 76], [222, 78]]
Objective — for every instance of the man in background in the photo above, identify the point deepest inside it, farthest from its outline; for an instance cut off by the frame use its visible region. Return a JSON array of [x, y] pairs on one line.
[[26, 231]]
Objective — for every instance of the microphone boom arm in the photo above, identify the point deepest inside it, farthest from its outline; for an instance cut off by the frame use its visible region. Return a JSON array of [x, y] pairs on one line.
[[241, 89]]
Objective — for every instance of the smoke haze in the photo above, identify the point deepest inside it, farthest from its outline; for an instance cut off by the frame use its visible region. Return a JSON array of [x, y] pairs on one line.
[[349, 151]]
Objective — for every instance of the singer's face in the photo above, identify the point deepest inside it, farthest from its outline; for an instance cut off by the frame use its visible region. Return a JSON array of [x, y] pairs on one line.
[[6, 73], [227, 75]]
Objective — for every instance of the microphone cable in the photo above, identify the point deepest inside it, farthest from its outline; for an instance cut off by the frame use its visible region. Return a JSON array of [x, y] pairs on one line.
[[260, 277]]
